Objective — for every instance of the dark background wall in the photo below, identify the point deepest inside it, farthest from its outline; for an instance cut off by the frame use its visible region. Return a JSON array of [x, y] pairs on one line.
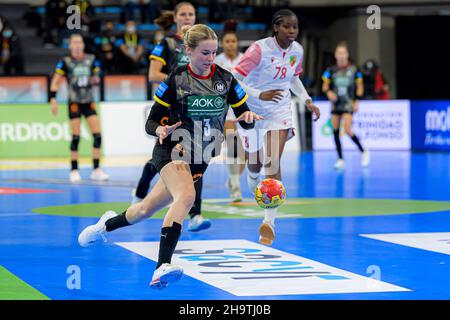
[[423, 57]]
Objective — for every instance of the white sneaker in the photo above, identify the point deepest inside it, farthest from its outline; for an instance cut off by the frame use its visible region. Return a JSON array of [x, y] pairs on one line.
[[74, 176], [99, 175], [96, 231], [266, 233], [235, 190], [340, 164], [166, 274], [236, 196], [134, 198], [198, 223], [252, 183], [365, 159]]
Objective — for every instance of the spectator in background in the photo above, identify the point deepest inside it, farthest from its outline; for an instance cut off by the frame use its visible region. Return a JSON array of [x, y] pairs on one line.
[[375, 84], [147, 8], [165, 27], [131, 49], [11, 52], [87, 14], [158, 36], [55, 20], [105, 45]]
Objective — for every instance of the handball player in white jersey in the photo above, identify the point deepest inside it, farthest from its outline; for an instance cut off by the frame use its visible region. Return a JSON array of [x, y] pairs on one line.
[[269, 69]]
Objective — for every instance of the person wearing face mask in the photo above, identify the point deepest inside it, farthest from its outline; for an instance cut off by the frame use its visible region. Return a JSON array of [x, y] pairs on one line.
[[165, 58], [343, 86], [11, 54], [105, 47], [375, 84], [130, 49], [158, 37]]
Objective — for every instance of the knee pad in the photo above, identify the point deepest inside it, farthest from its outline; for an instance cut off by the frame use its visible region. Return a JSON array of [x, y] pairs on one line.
[[97, 140], [74, 143]]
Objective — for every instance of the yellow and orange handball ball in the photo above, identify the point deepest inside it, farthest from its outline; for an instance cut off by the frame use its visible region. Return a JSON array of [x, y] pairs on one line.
[[270, 193]]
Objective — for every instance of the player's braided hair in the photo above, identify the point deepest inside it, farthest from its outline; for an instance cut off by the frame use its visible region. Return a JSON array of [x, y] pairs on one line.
[[279, 16], [230, 26]]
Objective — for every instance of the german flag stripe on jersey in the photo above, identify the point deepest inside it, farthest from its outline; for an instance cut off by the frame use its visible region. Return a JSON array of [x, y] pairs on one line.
[[152, 57], [156, 54], [165, 104], [96, 68], [59, 68], [238, 104], [326, 76], [359, 77]]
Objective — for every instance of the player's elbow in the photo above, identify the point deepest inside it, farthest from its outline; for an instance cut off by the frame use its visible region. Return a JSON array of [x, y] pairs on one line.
[[152, 77], [150, 127]]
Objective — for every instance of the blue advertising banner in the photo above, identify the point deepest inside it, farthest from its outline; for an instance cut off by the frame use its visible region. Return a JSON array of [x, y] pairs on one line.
[[430, 125]]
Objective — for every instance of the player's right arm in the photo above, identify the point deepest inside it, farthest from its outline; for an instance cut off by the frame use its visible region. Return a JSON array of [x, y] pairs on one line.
[[158, 59], [60, 72], [156, 124]]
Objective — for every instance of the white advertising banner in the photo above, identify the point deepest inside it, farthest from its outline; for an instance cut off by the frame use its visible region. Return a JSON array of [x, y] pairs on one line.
[[123, 128], [380, 125]]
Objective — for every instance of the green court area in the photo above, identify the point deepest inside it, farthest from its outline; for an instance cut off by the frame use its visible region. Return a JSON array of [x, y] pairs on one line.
[[14, 288], [292, 208]]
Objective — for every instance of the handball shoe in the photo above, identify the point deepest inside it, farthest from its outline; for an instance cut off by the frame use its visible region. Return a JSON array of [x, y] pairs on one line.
[[96, 231], [266, 233], [166, 274]]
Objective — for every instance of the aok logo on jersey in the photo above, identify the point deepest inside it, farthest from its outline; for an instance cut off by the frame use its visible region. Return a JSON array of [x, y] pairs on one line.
[[201, 106], [183, 60], [245, 268]]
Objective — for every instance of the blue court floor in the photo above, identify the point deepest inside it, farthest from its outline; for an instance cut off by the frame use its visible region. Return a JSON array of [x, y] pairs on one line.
[[357, 256]]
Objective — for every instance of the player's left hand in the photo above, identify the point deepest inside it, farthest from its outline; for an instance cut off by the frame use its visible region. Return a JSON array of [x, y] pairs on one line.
[[314, 109], [249, 117]]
